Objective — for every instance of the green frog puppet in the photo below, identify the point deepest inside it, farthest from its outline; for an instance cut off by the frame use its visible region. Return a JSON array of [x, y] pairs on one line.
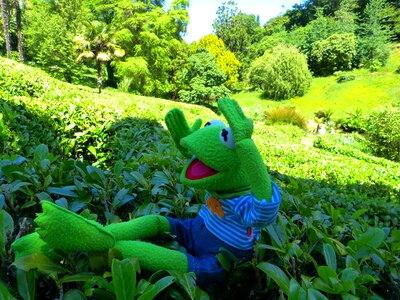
[[240, 200]]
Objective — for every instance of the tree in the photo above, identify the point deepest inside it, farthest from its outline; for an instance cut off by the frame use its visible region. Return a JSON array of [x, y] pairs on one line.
[[375, 34], [336, 53], [98, 43], [6, 25], [50, 27], [201, 80], [281, 74], [18, 20], [237, 30], [226, 59]]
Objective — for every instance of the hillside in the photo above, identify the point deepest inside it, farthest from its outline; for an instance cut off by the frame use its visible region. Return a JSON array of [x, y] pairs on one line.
[[368, 91], [109, 157]]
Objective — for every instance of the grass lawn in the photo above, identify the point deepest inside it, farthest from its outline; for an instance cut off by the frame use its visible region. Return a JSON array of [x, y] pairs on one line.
[[368, 91]]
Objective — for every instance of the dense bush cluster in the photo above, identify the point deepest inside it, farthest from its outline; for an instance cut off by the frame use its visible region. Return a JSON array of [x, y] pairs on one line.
[[383, 133], [109, 159], [281, 74]]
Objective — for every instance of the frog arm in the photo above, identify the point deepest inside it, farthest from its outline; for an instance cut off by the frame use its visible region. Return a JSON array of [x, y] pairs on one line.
[[250, 159], [179, 128], [255, 169]]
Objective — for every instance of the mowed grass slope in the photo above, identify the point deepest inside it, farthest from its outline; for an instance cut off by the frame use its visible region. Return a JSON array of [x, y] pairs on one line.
[[368, 91]]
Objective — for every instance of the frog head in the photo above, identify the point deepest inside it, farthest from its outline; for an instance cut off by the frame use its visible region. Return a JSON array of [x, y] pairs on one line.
[[215, 165]]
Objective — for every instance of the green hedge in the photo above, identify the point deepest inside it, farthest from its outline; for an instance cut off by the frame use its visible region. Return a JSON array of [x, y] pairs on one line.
[[110, 158]]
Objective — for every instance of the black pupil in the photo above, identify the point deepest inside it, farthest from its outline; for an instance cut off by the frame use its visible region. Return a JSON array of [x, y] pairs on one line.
[[207, 124], [224, 134]]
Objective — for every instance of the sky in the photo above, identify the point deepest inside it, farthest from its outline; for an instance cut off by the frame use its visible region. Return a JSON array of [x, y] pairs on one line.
[[202, 13]]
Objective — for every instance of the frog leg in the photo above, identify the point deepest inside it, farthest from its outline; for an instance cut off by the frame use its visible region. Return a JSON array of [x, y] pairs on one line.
[[152, 257]]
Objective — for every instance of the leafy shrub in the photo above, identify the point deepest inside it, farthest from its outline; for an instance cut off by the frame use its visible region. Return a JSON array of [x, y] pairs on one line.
[[226, 60], [286, 115], [336, 236], [202, 80], [336, 53], [383, 133], [281, 74], [344, 76], [324, 115], [354, 122]]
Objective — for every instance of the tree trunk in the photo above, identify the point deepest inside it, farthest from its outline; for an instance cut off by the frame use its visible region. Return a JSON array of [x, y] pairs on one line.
[[6, 24], [19, 31], [99, 66]]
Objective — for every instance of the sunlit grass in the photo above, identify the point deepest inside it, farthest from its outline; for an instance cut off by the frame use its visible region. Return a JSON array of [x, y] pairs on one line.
[[368, 91]]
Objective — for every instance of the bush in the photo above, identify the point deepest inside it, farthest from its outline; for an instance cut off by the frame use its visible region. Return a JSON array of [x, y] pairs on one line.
[[336, 53], [281, 74], [286, 115], [344, 76], [383, 133], [202, 80], [354, 122]]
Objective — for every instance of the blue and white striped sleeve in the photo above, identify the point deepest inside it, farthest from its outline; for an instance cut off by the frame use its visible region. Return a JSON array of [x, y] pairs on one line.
[[259, 213]]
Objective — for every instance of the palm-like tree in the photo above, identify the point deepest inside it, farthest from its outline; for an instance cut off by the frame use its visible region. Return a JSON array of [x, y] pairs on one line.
[[6, 25], [97, 42]]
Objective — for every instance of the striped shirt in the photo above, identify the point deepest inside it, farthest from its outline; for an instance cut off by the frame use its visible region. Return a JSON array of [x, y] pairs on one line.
[[237, 221]]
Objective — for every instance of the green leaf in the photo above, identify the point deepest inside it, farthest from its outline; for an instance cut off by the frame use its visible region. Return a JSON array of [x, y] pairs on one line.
[[41, 153], [124, 278], [200, 294], [40, 262], [296, 291], [17, 185], [330, 256], [154, 289], [4, 293], [77, 277], [92, 150], [359, 213], [277, 275], [63, 191], [74, 295], [313, 294], [2, 201], [26, 284], [329, 277], [186, 281]]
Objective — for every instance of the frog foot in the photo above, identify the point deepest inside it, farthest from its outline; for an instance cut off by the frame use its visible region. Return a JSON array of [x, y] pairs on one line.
[[65, 230]]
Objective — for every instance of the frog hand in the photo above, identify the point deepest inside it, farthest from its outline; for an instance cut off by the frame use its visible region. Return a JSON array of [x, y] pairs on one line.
[[179, 128], [241, 126]]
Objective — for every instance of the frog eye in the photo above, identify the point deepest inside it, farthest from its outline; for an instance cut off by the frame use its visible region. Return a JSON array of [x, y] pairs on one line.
[[226, 138], [215, 123]]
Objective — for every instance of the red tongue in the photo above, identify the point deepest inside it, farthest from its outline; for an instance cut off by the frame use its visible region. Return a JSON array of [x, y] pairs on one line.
[[198, 170]]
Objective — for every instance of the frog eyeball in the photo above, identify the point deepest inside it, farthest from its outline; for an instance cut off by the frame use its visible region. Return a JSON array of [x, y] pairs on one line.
[[215, 123], [226, 138]]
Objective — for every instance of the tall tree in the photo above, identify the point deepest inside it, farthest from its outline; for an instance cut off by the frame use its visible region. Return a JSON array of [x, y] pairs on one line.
[[375, 33], [18, 20], [6, 25], [98, 43]]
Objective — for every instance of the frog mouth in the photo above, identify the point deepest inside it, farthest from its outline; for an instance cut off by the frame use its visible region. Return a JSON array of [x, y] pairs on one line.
[[199, 170]]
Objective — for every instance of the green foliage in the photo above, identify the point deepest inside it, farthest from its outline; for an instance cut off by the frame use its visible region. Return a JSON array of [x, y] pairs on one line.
[[226, 59], [337, 234], [238, 31], [375, 34], [383, 133], [344, 76], [134, 73], [354, 121], [49, 36], [336, 53], [202, 80], [285, 115], [281, 74]]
